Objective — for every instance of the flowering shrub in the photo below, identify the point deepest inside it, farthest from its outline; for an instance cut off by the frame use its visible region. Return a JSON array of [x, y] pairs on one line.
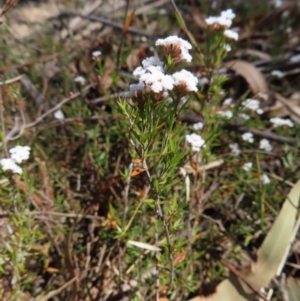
[[152, 193]]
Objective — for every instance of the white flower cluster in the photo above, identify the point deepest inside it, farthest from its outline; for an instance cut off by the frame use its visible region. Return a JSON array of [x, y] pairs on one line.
[[265, 179], [277, 121], [80, 79], [227, 114], [198, 126], [152, 77], [247, 166], [248, 137], [253, 105], [96, 53], [235, 150], [265, 144], [224, 21], [18, 154], [196, 141], [174, 43], [59, 115]]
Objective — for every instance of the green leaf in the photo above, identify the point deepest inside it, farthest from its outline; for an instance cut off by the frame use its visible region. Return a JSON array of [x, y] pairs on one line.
[[177, 158]]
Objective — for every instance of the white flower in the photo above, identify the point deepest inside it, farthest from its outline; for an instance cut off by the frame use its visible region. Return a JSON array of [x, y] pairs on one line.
[[59, 115], [10, 164], [265, 179], [228, 14], [248, 137], [179, 45], [227, 47], [139, 71], [228, 114], [244, 116], [196, 141], [230, 34], [198, 126], [277, 121], [185, 55], [79, 79], [227, 102], [152, 61], [134, 88], [265, 145], [173, 40], [19, 153], [253, 105], [224, 20], [156, 80], [187, 79], [96, 53], [277, 73], [218, 21], [247, 166], [234, 147]]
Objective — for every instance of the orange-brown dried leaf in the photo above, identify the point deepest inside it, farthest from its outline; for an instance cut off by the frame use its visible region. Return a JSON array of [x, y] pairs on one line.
[[128, 21], [23, 188], [179, 258], [137, 172]]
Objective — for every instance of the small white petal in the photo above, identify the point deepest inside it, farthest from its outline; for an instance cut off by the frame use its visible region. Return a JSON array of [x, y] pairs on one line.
[[247, 166], [265, 179], [96, 53], [227, 47], [244, 116], [218, 21], [277, 121], [251, 104], [227, 102], [134, 88], [265, 144], [248, 137], [234, 147], [80, 79], [277, 73], [227, 114], [59, 115], [198, 126], [152, 61], [228, 14], [230, 34]]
